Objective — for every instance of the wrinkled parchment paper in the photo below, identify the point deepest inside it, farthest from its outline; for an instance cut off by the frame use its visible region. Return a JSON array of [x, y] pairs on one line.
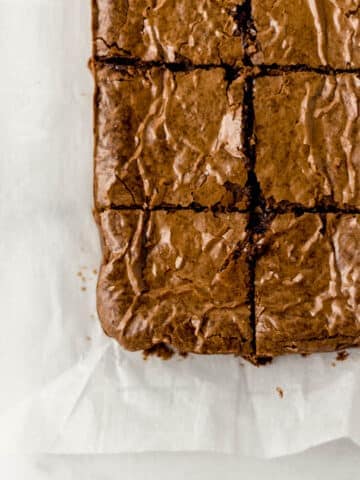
[[65, 387]]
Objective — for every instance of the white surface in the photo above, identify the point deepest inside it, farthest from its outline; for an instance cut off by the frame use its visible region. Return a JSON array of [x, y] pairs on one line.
[[69, 388], [336, 461]]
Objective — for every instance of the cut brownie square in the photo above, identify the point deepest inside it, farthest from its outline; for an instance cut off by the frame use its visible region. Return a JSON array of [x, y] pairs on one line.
[[308, 284], [171, 138], [202, 32], [307, 130], [178, 278], [314, 33]]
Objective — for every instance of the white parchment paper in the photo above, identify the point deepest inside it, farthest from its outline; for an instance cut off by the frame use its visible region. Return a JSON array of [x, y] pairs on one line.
[[65, 387]]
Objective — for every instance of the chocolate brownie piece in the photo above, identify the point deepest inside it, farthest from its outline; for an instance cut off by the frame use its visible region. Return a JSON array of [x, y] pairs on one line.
[[202, 32], [314, 33], [308, 284], [166, 137], [178, 278], [307, 130]]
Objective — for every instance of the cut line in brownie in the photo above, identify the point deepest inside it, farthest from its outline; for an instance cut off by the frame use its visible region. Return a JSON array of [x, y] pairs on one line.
[[178, 278], [313, 33], [307, 129], [199, 32], [169, 138], [308, 284]]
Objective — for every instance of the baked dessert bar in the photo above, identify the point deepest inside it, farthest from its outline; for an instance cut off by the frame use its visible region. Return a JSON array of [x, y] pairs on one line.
[[198, 32], [307, 128], [179, 278], [308, 284], [227, 174], [168, 138], [317, 33]]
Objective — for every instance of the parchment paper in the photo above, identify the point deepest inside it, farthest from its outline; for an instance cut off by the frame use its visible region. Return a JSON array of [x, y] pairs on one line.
[[65, 387]]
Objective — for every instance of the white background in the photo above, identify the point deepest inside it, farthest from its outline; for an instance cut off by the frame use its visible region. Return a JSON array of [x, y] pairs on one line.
[[336, 461], [33, 35]]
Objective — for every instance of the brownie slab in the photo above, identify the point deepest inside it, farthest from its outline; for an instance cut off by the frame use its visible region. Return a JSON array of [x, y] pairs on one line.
[[308, 284], [202, 32], [313, 33], [307, 130], [179, 278], [168, 138]]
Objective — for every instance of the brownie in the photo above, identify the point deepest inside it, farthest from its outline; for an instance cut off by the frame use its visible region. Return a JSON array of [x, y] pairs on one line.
[[179, 278], [227, 175], [168, 138], [308, 284], [307, 129], [200, 32], [313, 33]]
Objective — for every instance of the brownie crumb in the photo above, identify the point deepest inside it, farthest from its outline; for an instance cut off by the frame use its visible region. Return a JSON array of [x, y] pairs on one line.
[[161, 350], [257, 361], [341, 356], [260, 361], [83, 289], [280, 391]]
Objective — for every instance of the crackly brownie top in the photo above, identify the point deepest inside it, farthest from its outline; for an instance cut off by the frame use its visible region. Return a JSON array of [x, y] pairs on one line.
[[177, 277], [201, 31], [314, 33], [307, 130], [168, 137], [205, 165], [308, 284]]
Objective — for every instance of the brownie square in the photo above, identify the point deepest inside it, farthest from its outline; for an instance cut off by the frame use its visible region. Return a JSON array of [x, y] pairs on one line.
[[170, 31], [307, 130], [318, 33], [168, 138], [178, 278], [308, 284]]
